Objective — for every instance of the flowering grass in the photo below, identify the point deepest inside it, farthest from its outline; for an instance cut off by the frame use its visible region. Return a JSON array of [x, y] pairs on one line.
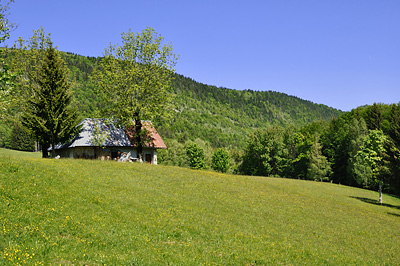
[[87, 212]]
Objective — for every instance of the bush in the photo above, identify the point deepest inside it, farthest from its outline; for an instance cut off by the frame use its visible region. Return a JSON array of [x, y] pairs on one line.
[[21, 139], [220, 161], [5, 135], [174, 155], [195, 155]]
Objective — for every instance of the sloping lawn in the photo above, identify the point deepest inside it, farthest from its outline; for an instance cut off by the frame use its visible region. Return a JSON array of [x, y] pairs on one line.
[[86, 212]]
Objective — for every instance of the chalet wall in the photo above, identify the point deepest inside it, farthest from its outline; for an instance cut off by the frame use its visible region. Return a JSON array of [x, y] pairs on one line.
[[107, 153]]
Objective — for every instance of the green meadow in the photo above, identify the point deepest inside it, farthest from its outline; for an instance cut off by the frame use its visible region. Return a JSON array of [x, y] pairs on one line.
[[89, 212]]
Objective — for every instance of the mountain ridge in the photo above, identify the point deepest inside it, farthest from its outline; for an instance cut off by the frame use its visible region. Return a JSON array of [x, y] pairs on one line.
[[222, 116]]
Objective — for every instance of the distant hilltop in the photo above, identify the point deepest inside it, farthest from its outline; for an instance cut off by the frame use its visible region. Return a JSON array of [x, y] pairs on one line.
[[222, 116]]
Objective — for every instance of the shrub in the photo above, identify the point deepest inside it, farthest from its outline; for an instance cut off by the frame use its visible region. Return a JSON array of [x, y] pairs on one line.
[[220, 161], [21, 139], [195, 156], [174, 155]]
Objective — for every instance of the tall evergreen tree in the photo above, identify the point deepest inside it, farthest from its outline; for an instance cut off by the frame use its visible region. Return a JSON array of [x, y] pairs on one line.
[[48, 114], [291, 139], [319, 168], [375, 117], [336, 149], [195, 155], [394, 124], [358, 170]]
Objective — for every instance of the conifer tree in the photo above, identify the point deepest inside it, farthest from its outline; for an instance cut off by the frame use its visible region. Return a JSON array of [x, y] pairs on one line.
[[195, 155], [48, 114], [319, 167], [375, 117], [394, 124], [220, 160], [358, 170]]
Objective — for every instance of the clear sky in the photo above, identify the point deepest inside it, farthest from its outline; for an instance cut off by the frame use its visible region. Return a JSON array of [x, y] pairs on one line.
[[342, 53]]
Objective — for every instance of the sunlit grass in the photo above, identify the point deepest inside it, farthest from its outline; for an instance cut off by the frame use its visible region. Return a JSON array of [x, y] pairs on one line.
[[82, 212]]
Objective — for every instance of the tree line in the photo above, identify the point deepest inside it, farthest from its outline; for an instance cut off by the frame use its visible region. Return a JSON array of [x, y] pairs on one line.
[[359, 148]]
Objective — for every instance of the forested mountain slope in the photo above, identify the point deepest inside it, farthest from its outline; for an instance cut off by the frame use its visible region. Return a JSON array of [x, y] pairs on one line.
[[222, 116]]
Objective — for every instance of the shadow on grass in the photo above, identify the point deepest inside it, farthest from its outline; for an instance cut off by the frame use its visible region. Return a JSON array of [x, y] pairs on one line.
[[375, 202], [395, 196], [394, 214]]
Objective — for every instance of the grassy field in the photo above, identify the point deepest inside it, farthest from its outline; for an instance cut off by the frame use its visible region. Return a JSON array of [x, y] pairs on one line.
[[82, 212]]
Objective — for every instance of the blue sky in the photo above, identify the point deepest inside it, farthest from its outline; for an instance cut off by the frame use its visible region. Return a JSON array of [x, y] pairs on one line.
[[342, 53]]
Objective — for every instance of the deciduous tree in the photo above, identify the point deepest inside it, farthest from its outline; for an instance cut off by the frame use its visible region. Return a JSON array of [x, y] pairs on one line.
[[135, 78], [373, 153], [174, 155], [7, 77], [265, 153]]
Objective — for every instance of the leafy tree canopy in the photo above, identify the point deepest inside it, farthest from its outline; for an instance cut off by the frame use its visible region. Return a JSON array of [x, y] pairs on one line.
[[135, 78], [7, 77]]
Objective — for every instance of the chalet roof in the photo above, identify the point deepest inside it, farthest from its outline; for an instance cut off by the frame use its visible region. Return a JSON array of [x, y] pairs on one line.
[[95, 131], [153, 139]]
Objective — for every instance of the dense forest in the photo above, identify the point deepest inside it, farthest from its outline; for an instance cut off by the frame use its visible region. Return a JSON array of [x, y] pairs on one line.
[[360, 148], [225, 117], [221, 116]]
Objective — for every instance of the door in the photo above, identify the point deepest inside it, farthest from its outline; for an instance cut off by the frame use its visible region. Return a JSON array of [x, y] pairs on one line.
[[148, 158]]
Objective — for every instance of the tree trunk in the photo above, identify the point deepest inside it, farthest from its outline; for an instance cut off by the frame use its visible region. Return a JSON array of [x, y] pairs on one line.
[[45, 153], [380, 191], [138, 139], [53, 150]]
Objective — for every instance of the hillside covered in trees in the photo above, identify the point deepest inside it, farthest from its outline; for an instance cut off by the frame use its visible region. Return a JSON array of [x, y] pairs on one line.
[[221, 116], [270, 133]]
